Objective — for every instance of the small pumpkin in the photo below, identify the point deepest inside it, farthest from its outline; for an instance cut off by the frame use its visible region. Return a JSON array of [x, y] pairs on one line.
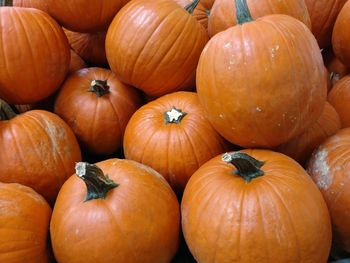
[[337, 70], [38, 4], [76, 62], [24, 225], [200, 12], [126, 213]]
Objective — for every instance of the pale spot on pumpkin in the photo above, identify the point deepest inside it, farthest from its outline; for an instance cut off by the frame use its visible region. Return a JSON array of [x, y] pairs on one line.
[[258, 109], [227, 45], [321, 170], [221, 116]]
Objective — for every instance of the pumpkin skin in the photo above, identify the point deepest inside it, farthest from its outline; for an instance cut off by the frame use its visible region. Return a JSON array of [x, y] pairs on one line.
[[208, 4], [301, 147], [336, 68], [226, 219], [38, 4], [339, 97], [24, 225], [323, 14], [328, 167], [98, 122], [155, 61], [89, 46], [200, 13], [238, 62], [30, 73], [76, 62], [41, 151], [176, 149], [131, 228], [222, 15]]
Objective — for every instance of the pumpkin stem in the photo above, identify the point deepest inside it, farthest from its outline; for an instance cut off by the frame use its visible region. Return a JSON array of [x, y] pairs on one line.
[[99, 87], [191, 6], [97, 183], [174, 116], [5, 2], [247, 167], [6, 112], [242, 12]]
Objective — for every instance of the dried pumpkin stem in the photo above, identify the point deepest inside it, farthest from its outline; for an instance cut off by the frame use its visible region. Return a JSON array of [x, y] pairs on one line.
[[242, 12], [6, 112], [99, 87], [174, 116], [98, 184], [247, 167], [191, 6]]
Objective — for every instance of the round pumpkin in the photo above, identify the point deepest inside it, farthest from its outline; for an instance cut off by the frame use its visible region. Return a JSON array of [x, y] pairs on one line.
[[24, 225], [35, 55], [222, 15], [38, 4], [336, 68], [256, 212], [156, 61], [76, 62], [329, 167], [262, 89], [126, 213], [97, 106], [39, 150], [200, 12], [173, 136]]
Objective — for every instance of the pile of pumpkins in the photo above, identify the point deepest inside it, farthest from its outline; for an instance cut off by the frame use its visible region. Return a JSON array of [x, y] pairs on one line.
[[131, 127]]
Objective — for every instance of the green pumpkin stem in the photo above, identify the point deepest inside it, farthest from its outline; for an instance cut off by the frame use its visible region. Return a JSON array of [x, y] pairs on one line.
[[6, 2], [174, 116], [99, 87], [242, 12], [247, 167], [191, 6], [97, 183], [6, 112]]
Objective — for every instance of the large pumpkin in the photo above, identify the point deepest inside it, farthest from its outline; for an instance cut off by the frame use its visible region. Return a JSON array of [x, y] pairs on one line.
[[222, 16], [39, 150], [200, 12], [35, 55], [24, 225], [329, 168], [262, 82], [126, 213], [158, 54], [38, 4], [173, 136], [259, 211], [97, 106]]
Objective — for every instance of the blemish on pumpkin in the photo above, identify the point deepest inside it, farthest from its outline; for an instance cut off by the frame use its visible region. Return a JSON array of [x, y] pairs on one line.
[[227, 45], [221, 116], [258, 109], [321, 170]]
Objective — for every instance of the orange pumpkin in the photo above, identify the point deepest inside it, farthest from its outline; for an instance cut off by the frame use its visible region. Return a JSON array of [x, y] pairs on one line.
[[40, 150], [173, 136], [208, 4], [222, 16], [200, 12], [38, 4], [336, 68], [329, 168], [130, 216], [24, 225], [76, 62], [260, 84], [97, 106], [156, 61], [254, 212], [36, 69]]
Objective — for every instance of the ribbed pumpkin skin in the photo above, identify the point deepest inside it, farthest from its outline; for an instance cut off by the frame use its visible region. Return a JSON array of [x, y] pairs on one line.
[[329, 168], [24, 225], [34, 71], [38, 4], [200, 13], [41, 151], [88, 16], [138, 222], [323, 14], [301, 147], [76, 62], [98, 122], [259, 84], [175, 150], [225, 219], [222, 16], [158, 54], [339, 97], [341, 35]]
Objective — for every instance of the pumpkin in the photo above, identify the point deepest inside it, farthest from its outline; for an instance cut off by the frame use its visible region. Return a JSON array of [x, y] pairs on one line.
[[254, 212], [200, 12], [262, 89], [336, 68], [208, 4], [329, 168], [97, 106], [339, 97], [36, 69], [89, 46], [76, 62], [86, 16], [40, 150], [173, 136], [156, 61], [24, 225], [323, 14], [341, 35], [133, 212], [38, 4], [222, 15], [301, 147]]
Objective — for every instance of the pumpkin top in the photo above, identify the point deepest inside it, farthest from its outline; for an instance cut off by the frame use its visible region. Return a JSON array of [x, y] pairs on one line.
[[6, 113], [174, 116], [99, 87], [242, 12]]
